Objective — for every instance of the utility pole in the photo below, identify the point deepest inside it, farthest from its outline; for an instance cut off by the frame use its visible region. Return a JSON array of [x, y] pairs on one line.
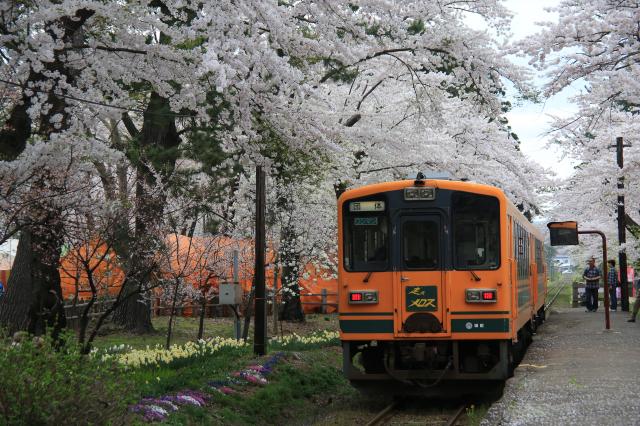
[[260, 323], [622, 237]]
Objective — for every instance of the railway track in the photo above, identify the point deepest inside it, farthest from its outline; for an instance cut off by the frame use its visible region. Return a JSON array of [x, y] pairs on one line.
[[393, 411], [553, 298]]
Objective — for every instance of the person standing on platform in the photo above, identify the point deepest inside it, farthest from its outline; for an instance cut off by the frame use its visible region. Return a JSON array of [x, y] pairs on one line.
[[613, 284], [636, 304], [592, 277]]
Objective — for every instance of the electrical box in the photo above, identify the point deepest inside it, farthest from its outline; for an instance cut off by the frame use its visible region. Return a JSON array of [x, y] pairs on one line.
[[230, 294]]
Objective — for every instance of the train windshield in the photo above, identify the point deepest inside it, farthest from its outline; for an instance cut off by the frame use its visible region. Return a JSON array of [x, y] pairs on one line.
[[420, 243], [476, 231], [366, 245]]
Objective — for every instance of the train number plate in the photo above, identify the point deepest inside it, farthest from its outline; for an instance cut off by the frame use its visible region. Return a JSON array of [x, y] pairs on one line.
[[421, 298]]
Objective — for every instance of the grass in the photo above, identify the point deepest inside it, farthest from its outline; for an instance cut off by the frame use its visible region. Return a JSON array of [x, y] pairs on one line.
[[298, 388], [564, 298], [186, 329], [475, 414]]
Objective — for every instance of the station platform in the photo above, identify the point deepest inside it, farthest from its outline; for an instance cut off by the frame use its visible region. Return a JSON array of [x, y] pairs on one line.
[[575, 373]]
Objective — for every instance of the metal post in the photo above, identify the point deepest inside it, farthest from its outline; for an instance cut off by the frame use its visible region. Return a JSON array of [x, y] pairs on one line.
[[275, 297], [605, 278], [260, 332], [236, 310], [323, 307], [622, 238], [274, 312]]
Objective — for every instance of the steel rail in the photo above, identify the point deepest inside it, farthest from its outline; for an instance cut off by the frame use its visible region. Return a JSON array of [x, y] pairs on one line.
[[452, 421], [553, 299], [382, 414]]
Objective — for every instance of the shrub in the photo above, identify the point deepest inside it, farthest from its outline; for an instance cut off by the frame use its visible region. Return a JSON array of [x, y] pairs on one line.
[[43, 385]]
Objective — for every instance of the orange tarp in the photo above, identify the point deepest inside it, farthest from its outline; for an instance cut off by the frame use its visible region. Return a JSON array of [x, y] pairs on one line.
[[202, 262], [107, 276]]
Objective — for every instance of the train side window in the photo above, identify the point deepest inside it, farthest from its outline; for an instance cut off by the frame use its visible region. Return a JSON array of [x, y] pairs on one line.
[[420, 244], [366, 246], [476, 231]]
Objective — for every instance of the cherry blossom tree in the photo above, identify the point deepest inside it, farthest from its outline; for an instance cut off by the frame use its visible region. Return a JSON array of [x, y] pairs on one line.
[[372, 88], [593, 47]]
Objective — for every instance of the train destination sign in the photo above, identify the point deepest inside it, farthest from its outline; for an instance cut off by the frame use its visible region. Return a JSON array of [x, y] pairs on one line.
[[563, 233], [366, 206]]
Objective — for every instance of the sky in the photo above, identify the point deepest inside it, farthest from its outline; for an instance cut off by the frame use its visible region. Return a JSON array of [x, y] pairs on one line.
[[531, 122]]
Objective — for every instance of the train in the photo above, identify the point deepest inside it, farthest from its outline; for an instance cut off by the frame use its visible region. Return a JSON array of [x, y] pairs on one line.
[[439, 281]]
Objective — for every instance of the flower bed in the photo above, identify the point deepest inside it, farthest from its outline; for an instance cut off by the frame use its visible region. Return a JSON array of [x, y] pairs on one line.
[[158, 355], [158, 409], [317, 338]]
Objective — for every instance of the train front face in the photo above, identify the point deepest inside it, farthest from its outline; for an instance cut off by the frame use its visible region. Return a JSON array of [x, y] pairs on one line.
[[424, 289]]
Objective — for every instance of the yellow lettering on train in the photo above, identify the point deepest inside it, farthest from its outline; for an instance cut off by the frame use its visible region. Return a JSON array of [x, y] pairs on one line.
[[423, 303], [417, 291]]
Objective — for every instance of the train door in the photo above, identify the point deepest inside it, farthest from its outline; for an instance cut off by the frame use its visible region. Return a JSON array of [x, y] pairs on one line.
[[420, 297]]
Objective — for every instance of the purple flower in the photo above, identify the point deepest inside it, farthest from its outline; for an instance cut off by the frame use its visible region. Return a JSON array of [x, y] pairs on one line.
[[197, 394], [150, 412]]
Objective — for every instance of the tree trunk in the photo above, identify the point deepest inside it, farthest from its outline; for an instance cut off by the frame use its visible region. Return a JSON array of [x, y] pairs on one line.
[[158, 141], [36, 302], [291, 305], [134, 314], [172, 313], [14, 305], [33, 300], [248, 312], [203, 307]]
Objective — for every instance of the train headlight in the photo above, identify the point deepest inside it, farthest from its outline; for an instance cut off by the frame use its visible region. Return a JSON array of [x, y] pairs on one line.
[[481, 295], [363, 296]]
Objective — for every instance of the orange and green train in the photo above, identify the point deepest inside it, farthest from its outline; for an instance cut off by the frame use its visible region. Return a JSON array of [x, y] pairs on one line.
[[439, 280]]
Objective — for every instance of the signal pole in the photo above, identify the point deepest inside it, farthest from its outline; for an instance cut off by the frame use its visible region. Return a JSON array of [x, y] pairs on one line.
[[622, 237]]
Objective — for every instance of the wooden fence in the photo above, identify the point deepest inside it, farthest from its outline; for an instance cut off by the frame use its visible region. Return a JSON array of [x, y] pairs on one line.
[[74, 312], [577, 298], [324, 300]]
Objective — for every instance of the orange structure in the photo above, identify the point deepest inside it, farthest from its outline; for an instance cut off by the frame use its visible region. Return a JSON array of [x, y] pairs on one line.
[[201, 262], [79, 261]]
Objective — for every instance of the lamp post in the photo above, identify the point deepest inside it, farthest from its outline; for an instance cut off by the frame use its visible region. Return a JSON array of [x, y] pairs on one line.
[[566, 234], [607, 321]]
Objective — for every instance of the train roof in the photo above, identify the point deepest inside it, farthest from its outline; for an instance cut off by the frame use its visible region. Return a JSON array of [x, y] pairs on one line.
[[454, 185]]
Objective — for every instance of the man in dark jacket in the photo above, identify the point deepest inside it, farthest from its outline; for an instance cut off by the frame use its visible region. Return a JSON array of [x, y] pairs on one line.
[[636, 304], [592, 277]]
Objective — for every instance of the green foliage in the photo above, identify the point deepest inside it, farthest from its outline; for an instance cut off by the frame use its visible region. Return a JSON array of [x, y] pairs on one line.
[[292, 393], [191, 373], [372, 29], [192, 44], [339, 72], [416, 27], [184, 330], [475, 414], [41, 385]]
